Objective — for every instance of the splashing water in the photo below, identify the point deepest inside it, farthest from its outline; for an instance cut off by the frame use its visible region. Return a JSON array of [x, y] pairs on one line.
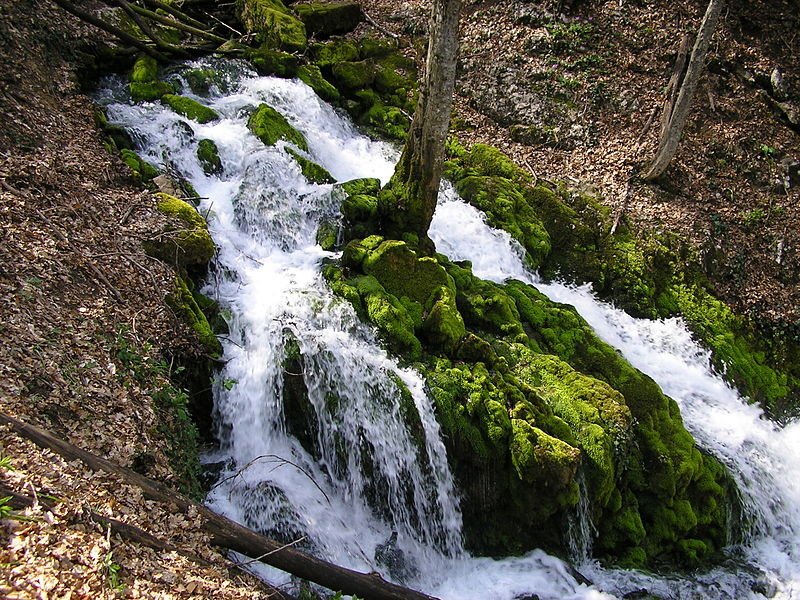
[[344, 469]]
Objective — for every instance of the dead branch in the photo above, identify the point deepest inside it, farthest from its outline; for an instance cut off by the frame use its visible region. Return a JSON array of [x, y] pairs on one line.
[[176, 13], [178, 24], [147, 30], [115, 31], [226, 533]]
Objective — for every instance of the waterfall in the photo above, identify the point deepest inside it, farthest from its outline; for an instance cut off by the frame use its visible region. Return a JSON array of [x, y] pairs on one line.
[[342, 469]]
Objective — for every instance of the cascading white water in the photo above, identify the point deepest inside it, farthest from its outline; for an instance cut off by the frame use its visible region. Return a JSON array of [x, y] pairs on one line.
[[360, 473]]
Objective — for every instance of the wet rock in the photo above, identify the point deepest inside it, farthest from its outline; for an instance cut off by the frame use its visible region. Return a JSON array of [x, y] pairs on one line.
[[394, 559]]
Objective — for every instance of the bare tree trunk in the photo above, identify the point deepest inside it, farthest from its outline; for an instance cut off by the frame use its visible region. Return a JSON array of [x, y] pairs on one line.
[[679, 109], [415, 184]]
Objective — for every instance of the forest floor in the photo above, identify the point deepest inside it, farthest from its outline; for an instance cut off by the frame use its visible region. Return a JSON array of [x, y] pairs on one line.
[[77, 292]]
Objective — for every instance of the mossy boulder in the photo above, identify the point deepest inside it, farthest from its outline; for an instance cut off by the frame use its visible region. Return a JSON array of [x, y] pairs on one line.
[[353, 76], [208, 155], [359, 207], [330, 53], [144, 85], [140, 167], [268, 125], [330, 18], [313, 78], [268, 61], [144, 69], [185, 241], [528, 397], [272, 24], [200, 81], [189, 108], [311, 170]]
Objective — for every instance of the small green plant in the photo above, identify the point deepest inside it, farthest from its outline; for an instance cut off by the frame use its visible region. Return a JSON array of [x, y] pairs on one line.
[[6, 511], [754, 217], [112, 570], [6, 464], [767, 150]]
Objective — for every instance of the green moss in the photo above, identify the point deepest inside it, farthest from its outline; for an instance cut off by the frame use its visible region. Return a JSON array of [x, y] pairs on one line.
[[733, 347], [150, 91], [184, 304], [188, 243], [506, 208], [368, 186], [330, 18], [538, 458], [145, 70], [140, 167], [443, 326], [330, 53], [201, 80], [389, 315], [403, 274], [311, 170], [208, 155], [272, 24], [191, 109], [371, 47], [353, 76], [313, 78], [268, 125], [388, 121], [328, 235], [273, 62]]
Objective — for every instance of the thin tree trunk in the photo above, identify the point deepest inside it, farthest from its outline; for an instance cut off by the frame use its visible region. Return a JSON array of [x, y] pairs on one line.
[[229, 534], [415, 184], [671, 136]]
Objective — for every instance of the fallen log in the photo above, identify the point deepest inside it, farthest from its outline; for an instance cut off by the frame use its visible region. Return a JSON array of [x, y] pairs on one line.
[[228, 534]]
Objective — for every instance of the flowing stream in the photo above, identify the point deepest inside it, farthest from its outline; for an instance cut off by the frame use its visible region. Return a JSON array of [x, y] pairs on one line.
[[338, 479]]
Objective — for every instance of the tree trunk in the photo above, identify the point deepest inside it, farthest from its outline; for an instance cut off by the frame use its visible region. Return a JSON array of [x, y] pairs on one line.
[[414, 187], [679, 110]]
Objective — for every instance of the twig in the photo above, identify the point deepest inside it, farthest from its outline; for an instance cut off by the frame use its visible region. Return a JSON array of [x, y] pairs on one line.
[[177, 50], [224, 24], [271, 552], [380, 28], [274, 457]]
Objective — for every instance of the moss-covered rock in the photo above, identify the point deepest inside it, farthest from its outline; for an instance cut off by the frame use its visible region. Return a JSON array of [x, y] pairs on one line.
[[268, 125], [200, 81], [144, 85], [312, 171], [208, 155], [328, 54], [150, 91], [184, 303], [313, 78], [186, 241], [272, 23], [353, 76], [140, 167], [330, 18], [145, 69], [273, 62], [535, 399], [191, 109]]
